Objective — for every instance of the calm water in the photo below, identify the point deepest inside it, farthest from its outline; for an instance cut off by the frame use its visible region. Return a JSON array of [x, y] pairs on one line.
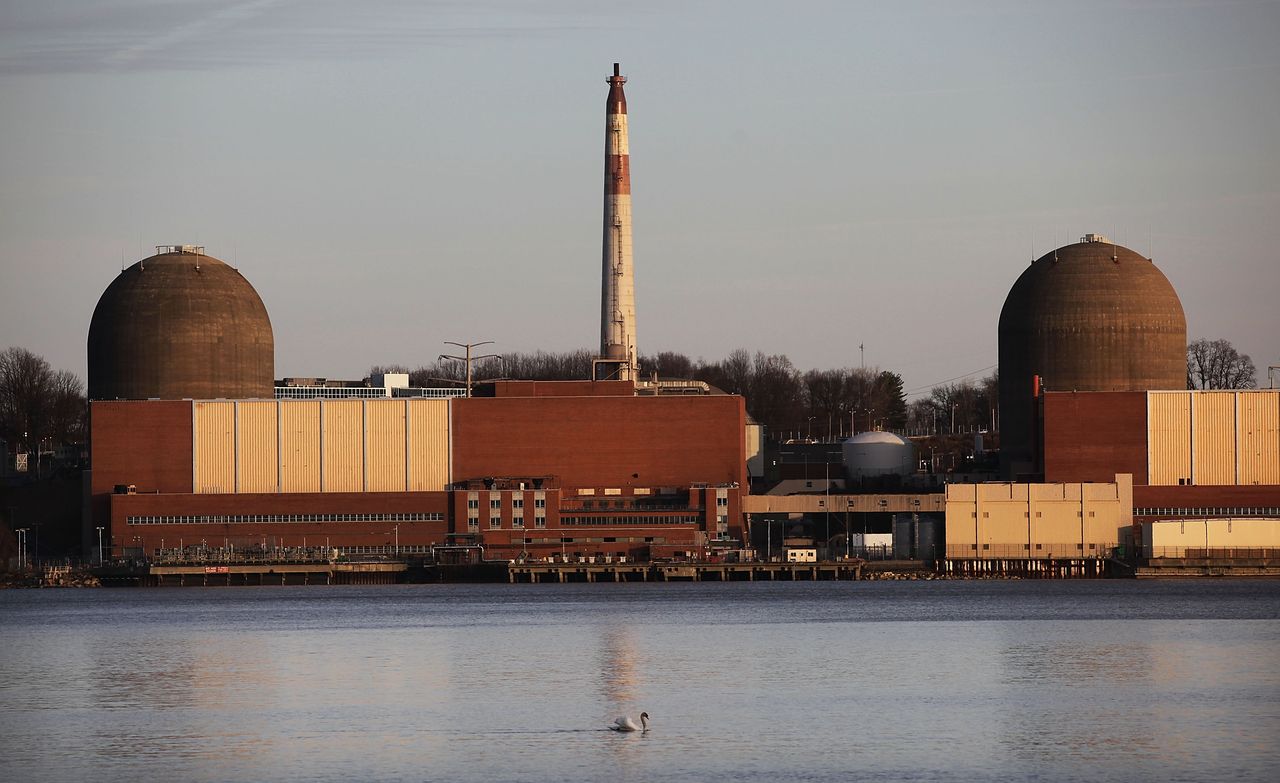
[[822, 681]]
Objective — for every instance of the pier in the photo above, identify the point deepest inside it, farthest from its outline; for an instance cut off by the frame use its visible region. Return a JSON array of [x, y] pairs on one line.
[[277, 574]]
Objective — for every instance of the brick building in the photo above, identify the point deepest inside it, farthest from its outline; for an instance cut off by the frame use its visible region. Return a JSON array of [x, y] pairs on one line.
[[537, 469]]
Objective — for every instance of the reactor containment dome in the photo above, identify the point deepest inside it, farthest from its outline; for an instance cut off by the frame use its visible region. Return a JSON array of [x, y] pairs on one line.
[[177, 325], [1092, 316]]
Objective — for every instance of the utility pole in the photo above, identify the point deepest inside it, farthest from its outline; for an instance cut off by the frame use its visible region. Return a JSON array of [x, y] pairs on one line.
[[469, 358]]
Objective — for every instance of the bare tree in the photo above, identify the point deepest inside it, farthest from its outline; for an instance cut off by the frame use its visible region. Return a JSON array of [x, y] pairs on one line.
[[37, 404], [668, 364], [1215, 364]]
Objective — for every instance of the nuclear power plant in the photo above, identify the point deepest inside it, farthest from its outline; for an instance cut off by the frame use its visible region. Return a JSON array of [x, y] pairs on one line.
[[195, 452]]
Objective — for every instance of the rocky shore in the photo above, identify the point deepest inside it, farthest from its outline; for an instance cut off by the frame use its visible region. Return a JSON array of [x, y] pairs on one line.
[[56, 576]]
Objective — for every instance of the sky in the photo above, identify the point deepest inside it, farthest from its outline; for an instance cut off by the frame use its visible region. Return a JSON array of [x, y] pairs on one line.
[[807, 177]]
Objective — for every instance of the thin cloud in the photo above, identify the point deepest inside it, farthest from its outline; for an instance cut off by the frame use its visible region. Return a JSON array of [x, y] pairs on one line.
[[207, 25], [169, 36]]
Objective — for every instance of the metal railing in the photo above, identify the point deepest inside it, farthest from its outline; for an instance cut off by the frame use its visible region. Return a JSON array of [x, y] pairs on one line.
[[1060, 551], [1211, 553]]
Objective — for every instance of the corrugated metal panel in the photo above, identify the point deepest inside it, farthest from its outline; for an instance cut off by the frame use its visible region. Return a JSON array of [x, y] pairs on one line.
[[215, 448], [1168, 437], [386, 444], [258, 442], [1214, 458], [428, 445], [1260, 437], [300, 445], [343, 445]]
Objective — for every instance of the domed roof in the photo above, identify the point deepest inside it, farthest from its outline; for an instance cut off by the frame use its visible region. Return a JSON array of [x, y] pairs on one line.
[[180, 324], [875, 436], [1092, 316], [1097, 286]]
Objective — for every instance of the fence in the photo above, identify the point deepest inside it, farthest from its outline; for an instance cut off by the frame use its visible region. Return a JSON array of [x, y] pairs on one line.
[[1212, 553]]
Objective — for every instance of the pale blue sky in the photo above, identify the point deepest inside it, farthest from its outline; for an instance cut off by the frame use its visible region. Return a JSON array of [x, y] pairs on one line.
[[807, 176]]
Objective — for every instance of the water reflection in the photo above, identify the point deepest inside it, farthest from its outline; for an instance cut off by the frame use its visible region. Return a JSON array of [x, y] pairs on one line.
[[617, 667], [481, 683]]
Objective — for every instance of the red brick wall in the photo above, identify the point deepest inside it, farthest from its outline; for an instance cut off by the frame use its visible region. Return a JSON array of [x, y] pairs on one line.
[[1206, 497], [602, 441], [146, 443], [287, 534], [1092, 436], [563, 389]]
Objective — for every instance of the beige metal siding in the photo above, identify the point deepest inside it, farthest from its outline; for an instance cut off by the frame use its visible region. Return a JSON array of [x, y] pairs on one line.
[[962, 526], [1168, 437], [428, 445], [300, 449], [258, 457], [1260, 437], [1037, 521], [214, 448], [1214, 457], [343, 445], [386, 444]]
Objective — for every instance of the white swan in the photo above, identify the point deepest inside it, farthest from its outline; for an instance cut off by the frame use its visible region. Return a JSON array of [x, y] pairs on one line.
[[625, 723]]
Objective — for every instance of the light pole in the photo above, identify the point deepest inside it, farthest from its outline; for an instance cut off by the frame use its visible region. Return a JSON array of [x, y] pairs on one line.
[[826, 502], [469, 358], [397, 540], [22, 547], [99, 546]]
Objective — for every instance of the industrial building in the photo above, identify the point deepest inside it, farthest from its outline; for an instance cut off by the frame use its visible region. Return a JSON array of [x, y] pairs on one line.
[[574, 474], [1091, 316], [1194, 455]]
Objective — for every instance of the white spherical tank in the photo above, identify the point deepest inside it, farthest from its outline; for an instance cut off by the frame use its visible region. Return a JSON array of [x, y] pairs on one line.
[[870, 454]]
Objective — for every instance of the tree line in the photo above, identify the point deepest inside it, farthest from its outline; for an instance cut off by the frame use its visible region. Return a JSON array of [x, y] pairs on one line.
[[817, 404], [820, 403], [39, 406]]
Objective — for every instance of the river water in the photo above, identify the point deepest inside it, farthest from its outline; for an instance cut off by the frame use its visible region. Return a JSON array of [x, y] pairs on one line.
[[827, 681]]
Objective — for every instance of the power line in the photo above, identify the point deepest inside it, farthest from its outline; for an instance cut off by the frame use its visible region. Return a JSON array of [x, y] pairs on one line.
[[921, 389]]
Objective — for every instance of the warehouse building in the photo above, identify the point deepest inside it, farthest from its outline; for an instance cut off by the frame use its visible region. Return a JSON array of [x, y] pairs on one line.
[[1194, 455], [537, 470]]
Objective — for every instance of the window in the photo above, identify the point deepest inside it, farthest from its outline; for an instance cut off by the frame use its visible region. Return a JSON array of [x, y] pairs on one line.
[[517, 503], [495, 504], [539, 521], [473, 503], [540, 503], [517, 522]]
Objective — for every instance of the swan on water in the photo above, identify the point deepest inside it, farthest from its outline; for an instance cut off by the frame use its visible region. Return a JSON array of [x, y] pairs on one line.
[[625, 723]]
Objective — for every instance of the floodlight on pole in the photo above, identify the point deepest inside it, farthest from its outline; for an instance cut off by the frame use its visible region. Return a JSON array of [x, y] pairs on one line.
[[469, 358]]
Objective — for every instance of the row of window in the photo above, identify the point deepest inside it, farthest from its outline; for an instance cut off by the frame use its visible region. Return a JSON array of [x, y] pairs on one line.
[[495, 523], [1261, 511], [604, 540], [496, 504], [659, 519], [253, 519]]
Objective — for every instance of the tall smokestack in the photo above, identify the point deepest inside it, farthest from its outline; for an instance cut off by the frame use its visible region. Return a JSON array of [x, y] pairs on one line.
[[618, 294]]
